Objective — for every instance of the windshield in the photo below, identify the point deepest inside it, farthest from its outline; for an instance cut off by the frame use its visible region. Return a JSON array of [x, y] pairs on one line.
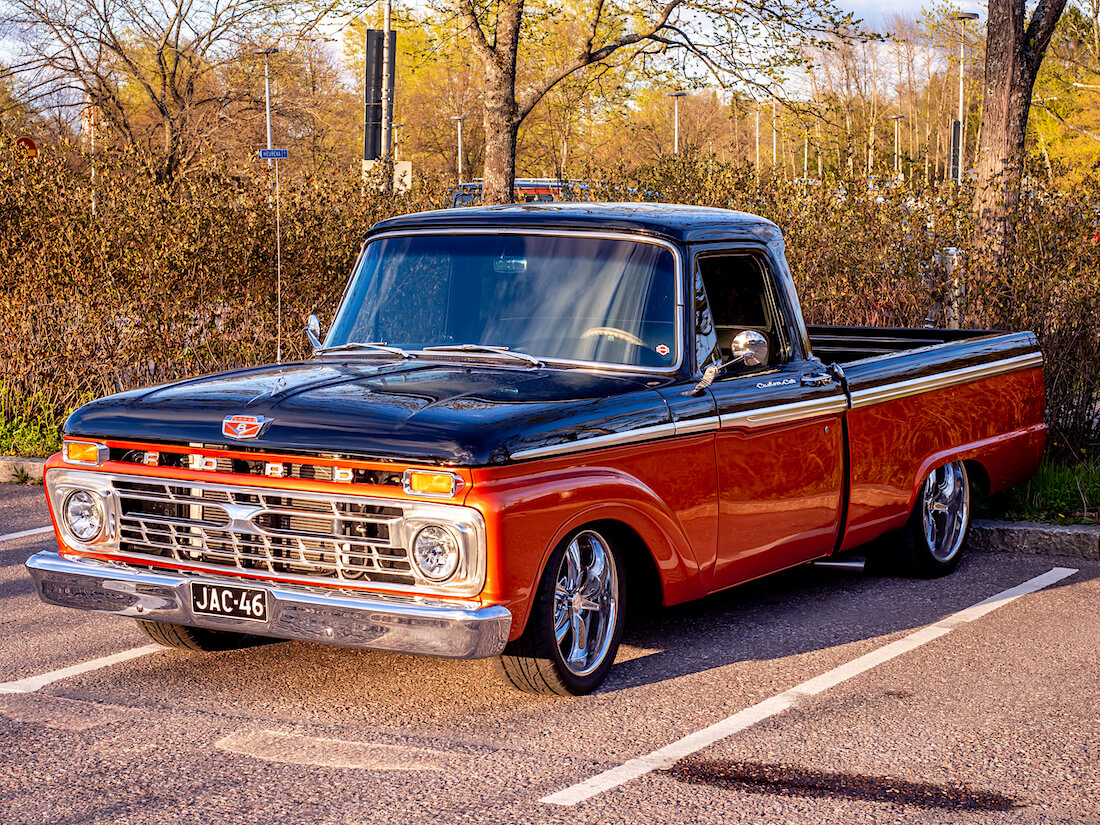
[[549, 296]]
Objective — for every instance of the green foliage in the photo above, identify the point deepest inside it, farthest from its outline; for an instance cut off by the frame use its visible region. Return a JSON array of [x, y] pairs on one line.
[[1066, 492]]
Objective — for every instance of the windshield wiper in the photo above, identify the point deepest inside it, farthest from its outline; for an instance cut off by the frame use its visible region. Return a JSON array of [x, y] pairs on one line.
[[371, 346], [488, 348]]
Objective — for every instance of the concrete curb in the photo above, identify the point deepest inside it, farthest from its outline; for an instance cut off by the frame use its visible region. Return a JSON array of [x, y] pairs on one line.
[[1080, 541], [15, 469]]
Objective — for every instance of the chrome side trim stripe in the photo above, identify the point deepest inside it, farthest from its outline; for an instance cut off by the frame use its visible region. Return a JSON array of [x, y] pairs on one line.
[[939, 381], [785, 413], [598, 441]]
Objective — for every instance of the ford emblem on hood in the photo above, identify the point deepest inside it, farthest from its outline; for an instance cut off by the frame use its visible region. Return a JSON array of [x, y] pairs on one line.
[[244, 426]]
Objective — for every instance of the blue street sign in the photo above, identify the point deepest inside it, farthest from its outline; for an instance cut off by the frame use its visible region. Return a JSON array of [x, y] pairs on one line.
[[273, 154]]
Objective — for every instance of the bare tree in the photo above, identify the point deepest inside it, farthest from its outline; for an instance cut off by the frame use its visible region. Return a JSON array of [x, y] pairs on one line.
[[148, 68], [752, 42]]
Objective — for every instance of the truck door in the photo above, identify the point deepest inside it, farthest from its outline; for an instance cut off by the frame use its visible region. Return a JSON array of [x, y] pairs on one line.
[[779, 446]]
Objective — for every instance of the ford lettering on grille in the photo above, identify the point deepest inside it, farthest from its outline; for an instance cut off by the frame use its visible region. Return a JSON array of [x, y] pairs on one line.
[[244, 426]]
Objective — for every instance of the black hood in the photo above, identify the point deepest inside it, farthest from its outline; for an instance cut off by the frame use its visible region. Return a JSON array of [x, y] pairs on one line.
[[461, 413]]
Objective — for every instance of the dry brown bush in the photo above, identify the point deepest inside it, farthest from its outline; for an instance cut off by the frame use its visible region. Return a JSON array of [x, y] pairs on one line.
[[163, 282]]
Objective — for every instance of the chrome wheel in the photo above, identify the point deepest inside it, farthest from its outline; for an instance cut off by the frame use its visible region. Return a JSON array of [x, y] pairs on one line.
[[586, 603], [945, 510]]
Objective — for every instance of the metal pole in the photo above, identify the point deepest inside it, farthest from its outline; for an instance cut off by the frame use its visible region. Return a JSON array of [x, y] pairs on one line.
[[267, 98], [805, 156], [676, 128], [387, 115], [963, 17], [278, 273], [758, 139], [458, 119], [773, 134], [962, 123]]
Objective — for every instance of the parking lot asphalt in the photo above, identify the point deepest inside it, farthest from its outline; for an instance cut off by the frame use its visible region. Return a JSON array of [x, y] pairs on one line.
[[992, 718]]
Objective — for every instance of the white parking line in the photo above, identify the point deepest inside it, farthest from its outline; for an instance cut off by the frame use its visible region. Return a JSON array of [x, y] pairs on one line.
[[22, 534], [667, 756], [33, 683]]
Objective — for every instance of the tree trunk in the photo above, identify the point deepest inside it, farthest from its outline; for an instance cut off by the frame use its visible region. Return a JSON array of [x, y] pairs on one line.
[[1014, 52], [501, 130]]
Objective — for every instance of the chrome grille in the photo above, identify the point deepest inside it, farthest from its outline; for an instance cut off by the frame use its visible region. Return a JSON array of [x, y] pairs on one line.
[[272, 531]]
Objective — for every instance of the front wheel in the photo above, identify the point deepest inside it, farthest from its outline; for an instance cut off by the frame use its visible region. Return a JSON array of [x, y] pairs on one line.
[[937, 528], [577, 621]]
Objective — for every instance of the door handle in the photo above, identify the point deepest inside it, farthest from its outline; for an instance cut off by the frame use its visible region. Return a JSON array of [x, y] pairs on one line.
[[816, 379]]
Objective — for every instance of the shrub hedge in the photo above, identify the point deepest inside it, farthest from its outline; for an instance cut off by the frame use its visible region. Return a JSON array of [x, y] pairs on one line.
[[162, 282]]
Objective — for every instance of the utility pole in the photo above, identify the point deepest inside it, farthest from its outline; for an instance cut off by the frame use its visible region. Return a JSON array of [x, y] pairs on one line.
[[676, 120]]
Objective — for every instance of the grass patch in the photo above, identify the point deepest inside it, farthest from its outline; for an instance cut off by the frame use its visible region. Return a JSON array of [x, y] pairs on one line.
[[31, 430], [1060, 493]]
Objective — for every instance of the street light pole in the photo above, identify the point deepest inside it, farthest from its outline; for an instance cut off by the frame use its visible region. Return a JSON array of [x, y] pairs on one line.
[[963, 16], [676, 120], [267, 89], [458, 120]]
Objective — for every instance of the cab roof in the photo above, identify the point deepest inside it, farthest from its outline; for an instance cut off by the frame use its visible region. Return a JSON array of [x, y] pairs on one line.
[[675, 222]]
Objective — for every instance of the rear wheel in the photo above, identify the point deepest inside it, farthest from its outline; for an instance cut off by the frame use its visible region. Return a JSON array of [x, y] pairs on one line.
[[577, 620], [191, 638], [937, 528]]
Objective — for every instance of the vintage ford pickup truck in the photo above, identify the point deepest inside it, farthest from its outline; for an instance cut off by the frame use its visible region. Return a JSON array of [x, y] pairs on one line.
[[521, 417]]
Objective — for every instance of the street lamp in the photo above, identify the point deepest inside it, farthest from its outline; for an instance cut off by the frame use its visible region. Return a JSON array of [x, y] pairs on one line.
[[897, 155], [458, 120], [676, 120], [270, 50], [963, 16]]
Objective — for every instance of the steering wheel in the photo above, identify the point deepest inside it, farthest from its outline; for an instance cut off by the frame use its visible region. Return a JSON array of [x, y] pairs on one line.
[[614, 332]]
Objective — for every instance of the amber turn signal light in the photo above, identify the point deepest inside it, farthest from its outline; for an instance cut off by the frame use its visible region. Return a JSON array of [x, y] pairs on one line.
[[427, 483], [89, 453]]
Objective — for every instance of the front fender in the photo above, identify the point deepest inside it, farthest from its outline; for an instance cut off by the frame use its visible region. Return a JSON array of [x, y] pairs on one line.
[[528, 510]]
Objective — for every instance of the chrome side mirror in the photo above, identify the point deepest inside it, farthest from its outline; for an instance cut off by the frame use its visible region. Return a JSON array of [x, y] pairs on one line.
[[313, 332], [748, 347]]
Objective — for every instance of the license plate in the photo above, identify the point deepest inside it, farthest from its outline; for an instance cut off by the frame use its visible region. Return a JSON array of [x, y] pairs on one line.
[[247, 603]]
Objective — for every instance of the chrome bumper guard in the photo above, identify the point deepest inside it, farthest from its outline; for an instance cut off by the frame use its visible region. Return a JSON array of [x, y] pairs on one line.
[[399, 624]]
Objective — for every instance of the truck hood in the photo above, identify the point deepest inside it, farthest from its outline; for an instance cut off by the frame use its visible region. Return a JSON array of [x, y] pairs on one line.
[[461, 413]]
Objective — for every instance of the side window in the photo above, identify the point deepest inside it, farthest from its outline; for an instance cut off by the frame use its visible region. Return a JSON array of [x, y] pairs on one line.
[[740, 296]]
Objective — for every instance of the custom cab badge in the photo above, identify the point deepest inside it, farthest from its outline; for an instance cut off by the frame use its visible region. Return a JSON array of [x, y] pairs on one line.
[[244, 426]]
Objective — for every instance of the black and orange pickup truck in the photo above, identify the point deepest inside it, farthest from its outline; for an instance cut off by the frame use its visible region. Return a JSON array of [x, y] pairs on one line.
[[520, 418]]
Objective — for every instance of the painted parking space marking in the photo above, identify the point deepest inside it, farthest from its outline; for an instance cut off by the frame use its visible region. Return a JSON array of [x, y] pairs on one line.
[[670, 754], [33, 683], [298, 749], [22, 534]]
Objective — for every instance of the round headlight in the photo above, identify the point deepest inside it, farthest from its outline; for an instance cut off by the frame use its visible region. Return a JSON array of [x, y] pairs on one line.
[[436, 553], [84, 515]]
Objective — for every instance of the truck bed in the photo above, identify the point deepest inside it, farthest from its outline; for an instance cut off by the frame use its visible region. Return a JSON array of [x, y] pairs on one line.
[[840, 344]]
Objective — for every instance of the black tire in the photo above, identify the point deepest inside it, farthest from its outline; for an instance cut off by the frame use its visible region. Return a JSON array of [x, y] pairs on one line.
[[932, 543], [192, 638], [536, 662]]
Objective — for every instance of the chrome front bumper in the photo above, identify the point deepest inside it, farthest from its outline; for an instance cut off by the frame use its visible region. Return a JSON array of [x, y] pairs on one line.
[[400, 624]]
